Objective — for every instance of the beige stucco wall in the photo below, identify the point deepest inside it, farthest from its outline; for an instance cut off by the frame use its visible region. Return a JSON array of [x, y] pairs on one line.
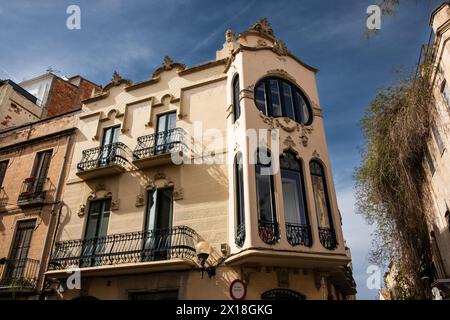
[[15, 109], [205, 192], [440, 180]]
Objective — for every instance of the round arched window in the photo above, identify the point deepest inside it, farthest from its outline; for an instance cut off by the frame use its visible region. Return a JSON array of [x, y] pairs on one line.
[[277, 97]]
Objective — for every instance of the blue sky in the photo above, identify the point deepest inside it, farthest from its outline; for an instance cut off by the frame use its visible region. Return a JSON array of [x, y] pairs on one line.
[[133, 36]]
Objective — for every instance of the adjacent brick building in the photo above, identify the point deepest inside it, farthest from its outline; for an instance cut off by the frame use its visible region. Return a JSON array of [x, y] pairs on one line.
[[57, 95]]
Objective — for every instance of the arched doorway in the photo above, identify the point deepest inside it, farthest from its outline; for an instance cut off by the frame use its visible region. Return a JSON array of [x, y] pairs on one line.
[[282, 294]]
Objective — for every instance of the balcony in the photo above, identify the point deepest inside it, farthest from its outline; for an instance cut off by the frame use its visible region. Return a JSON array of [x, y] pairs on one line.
[[269, 231], [298, 234], [157, 148], [34, 192], [327, 237], [19, 275], [172, 248], [106, 160]]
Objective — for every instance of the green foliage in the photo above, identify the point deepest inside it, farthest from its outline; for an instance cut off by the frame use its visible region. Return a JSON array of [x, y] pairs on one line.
[[391, 184]]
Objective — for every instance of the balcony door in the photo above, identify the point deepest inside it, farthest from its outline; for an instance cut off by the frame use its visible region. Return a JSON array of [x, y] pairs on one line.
[[165, 135], [94, 242], [19, 252], [39, 172], [108, 152], [158, 223]]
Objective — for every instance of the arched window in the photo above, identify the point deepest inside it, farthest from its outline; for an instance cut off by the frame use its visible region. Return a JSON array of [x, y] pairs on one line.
[[268, 225], [323, 209], [236, 102], [294, 199], [277, 97], [239, 199]]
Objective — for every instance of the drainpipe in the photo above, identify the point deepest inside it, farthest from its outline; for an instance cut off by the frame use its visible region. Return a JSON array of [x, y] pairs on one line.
[[49, 237]]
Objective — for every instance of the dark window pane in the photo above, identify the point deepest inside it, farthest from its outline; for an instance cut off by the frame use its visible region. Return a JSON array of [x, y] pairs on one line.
[[260, 97], [265, 195], [288, 101], [320, 195], [293, 197], [239, 169], [236, 102], [275, 98], [3, 167]]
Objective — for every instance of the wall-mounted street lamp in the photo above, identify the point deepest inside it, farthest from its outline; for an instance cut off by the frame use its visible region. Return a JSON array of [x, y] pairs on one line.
[[203, 249]]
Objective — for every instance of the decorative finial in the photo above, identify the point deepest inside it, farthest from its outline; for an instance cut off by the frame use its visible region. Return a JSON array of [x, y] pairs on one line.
[[229, 35], [116, 78], [263, 26], [168, 63]]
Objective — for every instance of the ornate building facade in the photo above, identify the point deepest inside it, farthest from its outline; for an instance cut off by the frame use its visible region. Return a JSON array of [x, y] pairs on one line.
[[438, 150], [204, 182]]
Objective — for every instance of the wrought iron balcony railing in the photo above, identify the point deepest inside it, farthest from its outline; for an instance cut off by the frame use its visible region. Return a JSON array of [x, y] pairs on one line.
[[328, 238], [269, 231], [240, 235], [298, 234], [166, 142], [107, 155], [134, 247], [34, 190], [19, 273]]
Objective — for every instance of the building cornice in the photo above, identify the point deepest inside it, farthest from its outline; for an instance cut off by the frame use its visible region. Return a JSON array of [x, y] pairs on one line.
[[23, 144]]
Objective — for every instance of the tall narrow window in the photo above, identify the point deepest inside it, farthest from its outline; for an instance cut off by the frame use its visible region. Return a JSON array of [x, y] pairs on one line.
[[437, 137], [445, 91], [96, 231], [158, 223], [39, 173], [165, 135], [236, 102], [430, 161], [239, 200], [323, 208], [268, 225], [109, 147], [3, 167], [294, 200], [17, 266]]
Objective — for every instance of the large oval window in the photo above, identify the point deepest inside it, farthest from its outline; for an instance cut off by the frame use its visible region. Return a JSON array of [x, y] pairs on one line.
[[277, 97]]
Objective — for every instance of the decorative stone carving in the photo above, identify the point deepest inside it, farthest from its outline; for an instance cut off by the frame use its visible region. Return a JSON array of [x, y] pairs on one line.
[[263, 26], [229, 35], [81, 210], [178, 194], [279, 47], [167, 65], [287, 124], [140, 200], [316, 154], [289, 142], [115, 204], [261, 43], [116, 80], [267, 120], [304, 135], [247, 92], [281, 73]]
